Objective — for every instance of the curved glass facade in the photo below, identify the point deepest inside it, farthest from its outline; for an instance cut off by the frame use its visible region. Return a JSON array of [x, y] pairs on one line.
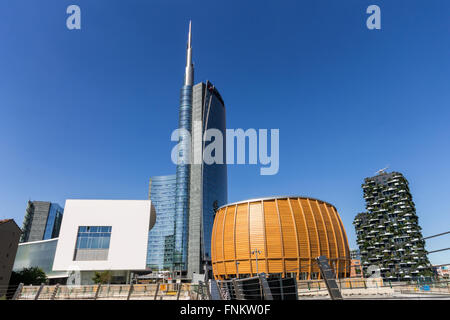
[[53, 221], [37, 254], [197, 188], [161, 237], [214, 175], [182, 176], [208, 183]]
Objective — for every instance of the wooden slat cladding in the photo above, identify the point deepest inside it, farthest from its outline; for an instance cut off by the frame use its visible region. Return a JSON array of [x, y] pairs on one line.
[[242, 238], [288, 229], [312, 229], [217, 251], [228, 235], [272, 230], [289, 232]]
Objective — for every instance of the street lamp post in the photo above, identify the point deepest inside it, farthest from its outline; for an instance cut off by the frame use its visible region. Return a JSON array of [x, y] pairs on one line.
[[256, 252], [237, 269]]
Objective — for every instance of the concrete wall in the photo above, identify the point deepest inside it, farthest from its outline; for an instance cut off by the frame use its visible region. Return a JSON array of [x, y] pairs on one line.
[[40, 215], [9, 240]]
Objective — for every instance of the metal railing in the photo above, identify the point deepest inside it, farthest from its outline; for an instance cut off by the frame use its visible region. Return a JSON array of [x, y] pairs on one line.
[[154, 291]]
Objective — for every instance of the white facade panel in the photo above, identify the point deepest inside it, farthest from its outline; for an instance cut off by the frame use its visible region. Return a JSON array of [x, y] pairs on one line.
[[130, 221]]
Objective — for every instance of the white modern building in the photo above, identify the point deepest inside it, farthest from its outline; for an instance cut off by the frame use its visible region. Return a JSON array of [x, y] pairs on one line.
[[100, 235]]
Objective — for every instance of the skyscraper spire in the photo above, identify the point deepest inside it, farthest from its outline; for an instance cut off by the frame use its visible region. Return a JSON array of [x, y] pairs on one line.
[[189, 72], [183, 164]]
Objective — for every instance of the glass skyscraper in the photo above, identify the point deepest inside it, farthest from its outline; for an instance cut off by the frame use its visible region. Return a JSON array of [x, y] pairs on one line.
[[161, 238], [208, 182], [185, 202], [183, 165], [53, 222], [42, 221]]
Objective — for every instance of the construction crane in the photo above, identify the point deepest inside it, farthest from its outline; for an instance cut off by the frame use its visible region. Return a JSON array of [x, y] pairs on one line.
[[381, 171]]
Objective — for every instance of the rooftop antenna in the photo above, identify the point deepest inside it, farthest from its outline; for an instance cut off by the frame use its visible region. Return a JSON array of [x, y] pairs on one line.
[[189, 71], [382, 171]]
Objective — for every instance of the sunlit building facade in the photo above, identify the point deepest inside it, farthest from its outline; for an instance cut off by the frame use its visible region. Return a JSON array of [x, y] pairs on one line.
[[39, 254], [208, 182], [389, 235], [279, 235], [197, 188], [103, 235], [161, 238], [42, 221]]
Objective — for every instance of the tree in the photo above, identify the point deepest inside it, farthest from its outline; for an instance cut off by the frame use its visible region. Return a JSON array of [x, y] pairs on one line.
[[102, 277], [27, 276]]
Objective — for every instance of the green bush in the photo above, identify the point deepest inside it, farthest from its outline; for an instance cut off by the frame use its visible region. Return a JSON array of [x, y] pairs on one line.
[[102, 277], [33, 275]]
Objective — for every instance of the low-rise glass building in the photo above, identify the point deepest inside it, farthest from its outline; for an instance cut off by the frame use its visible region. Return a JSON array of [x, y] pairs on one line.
[[39, 254]]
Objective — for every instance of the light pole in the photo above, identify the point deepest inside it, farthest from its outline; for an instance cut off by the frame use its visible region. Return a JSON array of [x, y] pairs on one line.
[[256, 252], [237, 269]]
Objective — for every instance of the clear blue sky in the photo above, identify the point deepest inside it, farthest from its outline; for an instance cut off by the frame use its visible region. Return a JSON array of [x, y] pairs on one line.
[[89, 113]]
